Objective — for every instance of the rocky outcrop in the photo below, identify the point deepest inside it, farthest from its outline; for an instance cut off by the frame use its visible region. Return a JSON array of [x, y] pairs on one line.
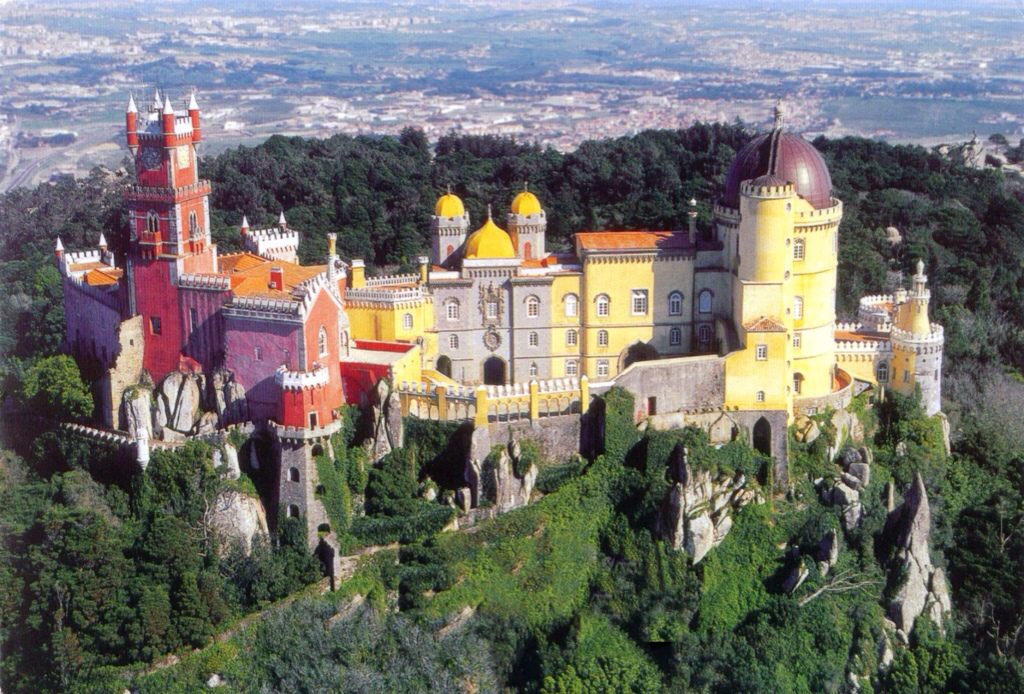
[[846, 490], [388, 430], [697, 514], [227, 398], [237, 519], [805, 429], [178, 404], [137, 405], [923, 588], [229, 459]]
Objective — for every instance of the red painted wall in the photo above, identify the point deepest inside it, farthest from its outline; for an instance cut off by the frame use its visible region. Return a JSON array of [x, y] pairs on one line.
[[278, 344], [155, 296], [359, 380], [204, 336], [324, 312]]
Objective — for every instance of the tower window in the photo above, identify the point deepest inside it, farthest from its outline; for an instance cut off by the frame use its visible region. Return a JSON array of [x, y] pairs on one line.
[[533, 369], [798, 249], [603, 304], [491, 309], [571, 338], [602, 367], [193, 225], [534, 339], [453, 342], [152, 222], [257, 354], [759, 396], [321, 341], [797, 341], [452, 309], [882, 372], [798, 307], [639, 302], [572, 305], [798, 383], [704, 301], [407, 321], [675, 337], [906, 376], [532, 306], [602, 338], [675, 304], [762, 352], [293, 474], [527, 251], [154, 325], [572, 367], [193, 320], [704, 336]]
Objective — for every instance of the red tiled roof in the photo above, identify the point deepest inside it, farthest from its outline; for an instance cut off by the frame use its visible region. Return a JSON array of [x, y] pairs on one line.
[[631, 240], [250, 274], [764, 324]]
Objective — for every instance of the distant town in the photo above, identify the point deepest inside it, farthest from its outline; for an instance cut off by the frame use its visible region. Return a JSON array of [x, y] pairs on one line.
[[555, 73]]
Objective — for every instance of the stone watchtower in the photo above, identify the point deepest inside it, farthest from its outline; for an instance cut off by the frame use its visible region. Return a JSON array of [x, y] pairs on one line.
[[917, 345], [448, 229], [527, 225]]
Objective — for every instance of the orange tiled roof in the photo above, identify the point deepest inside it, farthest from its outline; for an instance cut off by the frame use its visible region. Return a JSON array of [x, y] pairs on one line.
[[631, 240], [764, 324], [250, 274], [859, 336], [103, 276]]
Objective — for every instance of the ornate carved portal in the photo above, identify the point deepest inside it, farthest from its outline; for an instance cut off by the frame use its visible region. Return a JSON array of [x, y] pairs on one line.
[[492, 305]]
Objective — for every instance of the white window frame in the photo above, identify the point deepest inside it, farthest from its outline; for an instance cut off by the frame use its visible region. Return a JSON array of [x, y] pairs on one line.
[[638, 302], [491, 308], [321, 341], [761, 352], [797, 341], [572, 367], [675, 337], [799, 249], [572, 305], [453, 341], [602, 367], [602, 338], [882, 370], [798, 307], [533, 369], [572, 338], [452, 309], [407, 321], [534, 339], [705, 301], [603, 305], [759, 396], [675, 304], [532, 306]]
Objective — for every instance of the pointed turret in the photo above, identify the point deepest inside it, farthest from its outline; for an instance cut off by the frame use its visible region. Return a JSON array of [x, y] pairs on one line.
[[157, 103], [168, 108], [193, 114], [131, 122], [58, 250], [167, 120], [244, 229], [281, 221], [103, 243]]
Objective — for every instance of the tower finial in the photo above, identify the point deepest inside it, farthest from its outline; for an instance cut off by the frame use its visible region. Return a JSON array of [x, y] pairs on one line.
[[780, 114], [281, 222], [448, 188], [526, 186], [168, 108], [59, 246], [157, 103], [103, 242], [193, 105], [132, 108], [920, 266], [488, 211]]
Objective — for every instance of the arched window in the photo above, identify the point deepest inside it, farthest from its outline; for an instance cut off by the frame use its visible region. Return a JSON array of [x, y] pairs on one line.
[[571, 338], [798, 249], [704, 336], [602, 338], [603, 304], [798, 383], [258, 353], [759, 396], [704, 301], [533, 369], [152, 222], [602, 367], [675, 304], [321, 341], [293, 474], [572, 367], [293, 511], [527, 251], [532, 306], [193, 225], [534, 339], [572, 305], [675, 337], [453, 342], [882, 372], [452, 309], [798, 307], [407, 321]]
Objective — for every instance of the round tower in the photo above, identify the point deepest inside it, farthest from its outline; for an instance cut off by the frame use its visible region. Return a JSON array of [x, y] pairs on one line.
[[917, 346], [449, 227], [527, 225], [304, 402]]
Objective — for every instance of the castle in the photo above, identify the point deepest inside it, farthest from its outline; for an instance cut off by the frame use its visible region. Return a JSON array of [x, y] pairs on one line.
[[732, 328]]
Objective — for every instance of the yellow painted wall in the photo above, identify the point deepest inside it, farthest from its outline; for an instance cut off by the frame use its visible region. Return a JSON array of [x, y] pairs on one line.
[[745, 375], [617, 280]]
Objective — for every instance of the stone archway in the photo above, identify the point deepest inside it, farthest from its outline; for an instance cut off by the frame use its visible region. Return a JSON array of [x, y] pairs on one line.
[[763, 436], [494, 371], [638, 351]]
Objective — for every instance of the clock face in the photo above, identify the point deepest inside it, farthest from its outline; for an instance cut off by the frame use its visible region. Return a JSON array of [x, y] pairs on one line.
[[149, 158], [184, 155]]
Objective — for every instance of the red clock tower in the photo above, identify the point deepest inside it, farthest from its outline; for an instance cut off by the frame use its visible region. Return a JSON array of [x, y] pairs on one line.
[[169, 214]]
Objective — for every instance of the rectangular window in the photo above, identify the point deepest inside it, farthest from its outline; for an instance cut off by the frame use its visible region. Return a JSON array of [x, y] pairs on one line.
[[906, 376], [571, 367], [675, 336], [639, 302], [602, 367], [534, 339], [760, 396], [797, 340], [154, 325], [571, 338], [312, 420], [762, 352], [453, 310], [193, 320], [492, 309]]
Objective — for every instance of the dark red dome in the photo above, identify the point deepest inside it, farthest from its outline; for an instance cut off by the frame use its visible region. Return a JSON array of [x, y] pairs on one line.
[[785, 156]]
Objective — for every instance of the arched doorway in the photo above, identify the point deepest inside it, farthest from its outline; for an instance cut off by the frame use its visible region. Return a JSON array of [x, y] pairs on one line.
[[444, 365], [494, 371], [763, 436], [638, 351]]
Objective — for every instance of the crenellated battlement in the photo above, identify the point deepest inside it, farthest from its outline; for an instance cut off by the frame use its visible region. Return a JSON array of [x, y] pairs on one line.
[[392, 280], [273, 243], [202, 280], [301, 380]]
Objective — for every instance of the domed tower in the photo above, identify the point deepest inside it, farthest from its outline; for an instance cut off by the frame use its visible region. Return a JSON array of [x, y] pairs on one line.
[[448, 228], [917, 345], [489, 242], [779, 226], [527, 225]]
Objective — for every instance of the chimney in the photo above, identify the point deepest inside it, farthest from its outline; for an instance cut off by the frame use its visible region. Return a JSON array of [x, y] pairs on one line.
[[424, 264], [358, 278], [131, 122], [332, 257], [277, 279], [692, 214]]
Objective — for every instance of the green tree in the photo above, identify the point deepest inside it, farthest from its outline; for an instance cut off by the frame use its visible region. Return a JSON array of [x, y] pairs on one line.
[[53, 388]]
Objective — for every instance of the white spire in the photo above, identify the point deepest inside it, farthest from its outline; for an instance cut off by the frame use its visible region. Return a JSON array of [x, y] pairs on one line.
[[245, 222], [103, 241], [168, 109], [131, 104], [281, 220], [59, 247], [193, 105], [920, 267], [780, 114], [156, 100]]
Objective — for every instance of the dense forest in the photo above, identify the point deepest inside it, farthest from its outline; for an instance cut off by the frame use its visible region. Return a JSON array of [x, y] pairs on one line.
[[104, 572]]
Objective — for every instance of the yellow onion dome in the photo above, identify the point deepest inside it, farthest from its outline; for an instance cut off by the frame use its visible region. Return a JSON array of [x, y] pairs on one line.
[[449, 205], [489, 241], [526, 203]]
